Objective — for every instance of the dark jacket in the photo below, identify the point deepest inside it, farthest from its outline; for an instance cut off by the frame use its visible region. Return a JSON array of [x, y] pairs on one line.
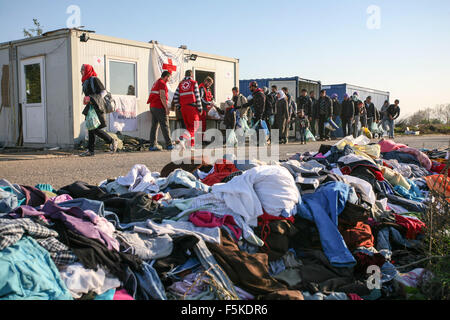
[[372, 112], [337, 108], [348, 109], [325, 106], [93, 90], [270, 105], [259, 104], [230, 118], [304, 103], [314, 111], [393, 111]]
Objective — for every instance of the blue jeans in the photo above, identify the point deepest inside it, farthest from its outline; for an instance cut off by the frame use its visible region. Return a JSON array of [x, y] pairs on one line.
[[391, 126]]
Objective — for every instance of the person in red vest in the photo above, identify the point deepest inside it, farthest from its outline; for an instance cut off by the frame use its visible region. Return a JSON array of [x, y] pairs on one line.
[[187, 97], [207, 100], [159, 108]]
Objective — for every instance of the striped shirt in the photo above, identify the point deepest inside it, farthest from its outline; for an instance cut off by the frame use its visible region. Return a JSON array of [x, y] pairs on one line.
[[198, 104]]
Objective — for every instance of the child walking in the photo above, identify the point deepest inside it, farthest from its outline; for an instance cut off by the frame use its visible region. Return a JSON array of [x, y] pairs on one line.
[[302, 124]]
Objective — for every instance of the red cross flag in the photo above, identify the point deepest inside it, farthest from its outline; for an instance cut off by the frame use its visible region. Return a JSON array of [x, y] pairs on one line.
[[170, 67], [168, 59]]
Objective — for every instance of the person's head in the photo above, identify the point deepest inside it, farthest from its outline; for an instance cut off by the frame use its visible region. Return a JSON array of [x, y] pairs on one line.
[[360, 104], [208, 82], [274, 89], [166, 76], [87, 71], [323, 93], [131, 90], [304, 92], [281, 95], [386, 103], [301, 113], [266, 90], [235, 91], [346, 97], [285, 90], [253, 86], [229, 104], [355, 96], [369, 99], [397, 102], [334, 96], [312, 94], [188, 73]]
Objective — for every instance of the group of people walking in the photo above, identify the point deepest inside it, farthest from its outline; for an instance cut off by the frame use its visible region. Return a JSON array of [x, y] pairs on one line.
[[264, 111]]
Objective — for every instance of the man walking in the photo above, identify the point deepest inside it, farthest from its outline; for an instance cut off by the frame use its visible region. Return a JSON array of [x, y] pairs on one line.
[[314, 114], [187, 98], [325, 112], [373, 115], [348, 114], [393, 113], [259, 104], [207, 100], [159, 109]]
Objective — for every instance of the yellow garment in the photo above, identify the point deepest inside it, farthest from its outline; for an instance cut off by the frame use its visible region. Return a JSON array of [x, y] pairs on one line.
[[367, 133], [372, 150], [50, 194], [395, 178]]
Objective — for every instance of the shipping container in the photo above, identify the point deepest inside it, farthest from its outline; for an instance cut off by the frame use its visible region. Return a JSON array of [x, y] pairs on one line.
[[378, 96], [294, 84]]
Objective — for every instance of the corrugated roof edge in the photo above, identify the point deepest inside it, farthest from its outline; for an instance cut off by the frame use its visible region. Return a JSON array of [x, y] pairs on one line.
[[283, 79], [99, 37], [357, 87]]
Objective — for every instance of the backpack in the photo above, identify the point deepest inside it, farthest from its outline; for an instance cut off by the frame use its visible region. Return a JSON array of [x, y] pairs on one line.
[[110, 103]]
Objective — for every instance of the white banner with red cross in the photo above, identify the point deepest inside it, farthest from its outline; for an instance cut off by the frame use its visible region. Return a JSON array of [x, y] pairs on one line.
[[172, 60]]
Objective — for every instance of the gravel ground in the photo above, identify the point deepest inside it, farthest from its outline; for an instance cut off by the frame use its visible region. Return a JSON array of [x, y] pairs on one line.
[[60, 170]]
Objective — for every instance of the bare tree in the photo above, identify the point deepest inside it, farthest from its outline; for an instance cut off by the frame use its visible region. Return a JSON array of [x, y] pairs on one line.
[[37, 31]]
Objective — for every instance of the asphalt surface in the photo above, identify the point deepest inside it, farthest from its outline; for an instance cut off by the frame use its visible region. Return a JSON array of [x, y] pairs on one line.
[[62, 169]]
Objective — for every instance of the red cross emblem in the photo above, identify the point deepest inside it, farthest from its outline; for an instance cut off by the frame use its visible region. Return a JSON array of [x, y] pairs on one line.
[[169, 66], [186, 85]]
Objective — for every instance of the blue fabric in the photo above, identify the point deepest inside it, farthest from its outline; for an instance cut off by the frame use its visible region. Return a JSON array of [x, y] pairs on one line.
[[408, 194], [390, 235], [27, 272], [181, 177], [8, 200], [108, 295], [323, 207], [401, 157], [150, 286], [45, 187], [85, 204]]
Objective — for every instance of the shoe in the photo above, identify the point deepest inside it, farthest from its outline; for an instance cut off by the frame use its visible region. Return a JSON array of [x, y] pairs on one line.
[[87, 154], [170, 148], [114, 146], [154, 149]]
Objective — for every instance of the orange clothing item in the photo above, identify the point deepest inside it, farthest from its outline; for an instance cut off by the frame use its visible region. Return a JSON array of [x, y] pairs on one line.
[[440, 184]]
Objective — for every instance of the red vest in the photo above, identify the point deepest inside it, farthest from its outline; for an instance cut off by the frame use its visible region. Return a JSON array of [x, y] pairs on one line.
[[187, 92], [155, 100], [208, 93]]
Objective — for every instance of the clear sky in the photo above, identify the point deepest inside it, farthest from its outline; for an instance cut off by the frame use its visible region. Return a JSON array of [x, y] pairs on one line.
[[327, 40]]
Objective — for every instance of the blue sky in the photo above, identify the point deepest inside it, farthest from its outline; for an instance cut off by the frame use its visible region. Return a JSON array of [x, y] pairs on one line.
[[322, 40]]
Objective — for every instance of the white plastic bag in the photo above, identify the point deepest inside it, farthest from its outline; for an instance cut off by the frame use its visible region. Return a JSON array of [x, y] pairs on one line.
[[214, 114]]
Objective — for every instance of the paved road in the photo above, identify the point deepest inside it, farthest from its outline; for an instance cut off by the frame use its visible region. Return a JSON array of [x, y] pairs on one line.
[[63, 169]]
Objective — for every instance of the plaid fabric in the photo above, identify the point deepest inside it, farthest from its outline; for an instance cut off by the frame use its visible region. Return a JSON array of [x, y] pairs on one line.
[[12, 230]]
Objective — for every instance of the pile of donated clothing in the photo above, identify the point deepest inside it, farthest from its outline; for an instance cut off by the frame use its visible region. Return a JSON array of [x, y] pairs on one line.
[[307, 228]]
